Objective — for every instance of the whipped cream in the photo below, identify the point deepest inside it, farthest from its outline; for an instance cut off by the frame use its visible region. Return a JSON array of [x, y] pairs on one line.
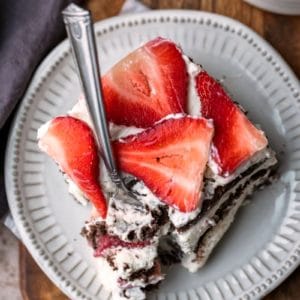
[[118, 132], [218, 180], [42, 131], [80, 111], [108, 277], [179, 218], [124, 218], [193, 99], [129, 261], [75, 191]]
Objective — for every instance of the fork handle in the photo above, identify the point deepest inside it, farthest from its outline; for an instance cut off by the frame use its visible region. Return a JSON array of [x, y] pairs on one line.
[[82, 38]]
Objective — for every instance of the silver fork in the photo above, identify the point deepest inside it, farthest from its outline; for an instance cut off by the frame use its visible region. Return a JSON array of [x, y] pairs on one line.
[[82, 38]]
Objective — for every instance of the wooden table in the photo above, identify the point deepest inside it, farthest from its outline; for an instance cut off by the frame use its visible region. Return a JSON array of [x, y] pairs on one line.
[[282, 32]]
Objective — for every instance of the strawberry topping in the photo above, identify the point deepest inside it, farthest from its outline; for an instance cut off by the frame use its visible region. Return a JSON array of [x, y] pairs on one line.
[[170, 158], [108, 242], [236, 139], [70, 142], [146, 85]]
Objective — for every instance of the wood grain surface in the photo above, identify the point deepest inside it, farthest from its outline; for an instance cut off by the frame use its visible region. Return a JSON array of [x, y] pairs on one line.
[[34, 284], [282, 32]]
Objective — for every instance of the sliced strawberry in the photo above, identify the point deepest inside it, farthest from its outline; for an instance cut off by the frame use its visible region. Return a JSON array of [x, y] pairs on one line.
[[109, 242], [170, 158], [70, 142], [146, 85], [236, 139]]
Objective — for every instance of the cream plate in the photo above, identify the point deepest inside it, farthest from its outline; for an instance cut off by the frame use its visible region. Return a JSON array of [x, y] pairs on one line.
[[263, 245]]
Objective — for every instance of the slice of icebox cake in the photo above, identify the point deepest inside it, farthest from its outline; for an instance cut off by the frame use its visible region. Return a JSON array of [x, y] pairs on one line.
[[187, 151]]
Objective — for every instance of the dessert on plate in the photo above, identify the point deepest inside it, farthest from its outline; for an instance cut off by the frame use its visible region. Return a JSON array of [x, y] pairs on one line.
[[187, 151]]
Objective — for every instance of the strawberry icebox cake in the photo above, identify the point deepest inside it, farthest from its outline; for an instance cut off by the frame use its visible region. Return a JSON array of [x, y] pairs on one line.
[[184, 148]]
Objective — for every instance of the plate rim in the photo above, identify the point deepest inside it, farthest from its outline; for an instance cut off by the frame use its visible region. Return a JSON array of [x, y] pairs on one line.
[[11, 158]]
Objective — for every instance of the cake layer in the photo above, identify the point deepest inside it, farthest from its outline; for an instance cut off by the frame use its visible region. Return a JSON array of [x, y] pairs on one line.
[[188, 235], [137, 223], [223, 218], [131, 266], [214, 186], [141, 281]]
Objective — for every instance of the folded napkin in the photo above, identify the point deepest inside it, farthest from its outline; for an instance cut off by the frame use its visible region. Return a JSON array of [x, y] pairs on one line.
[[29, 29]]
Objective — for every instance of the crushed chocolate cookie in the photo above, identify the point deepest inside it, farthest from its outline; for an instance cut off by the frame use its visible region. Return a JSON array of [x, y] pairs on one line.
[[131, 235], [143, 274], [95, 231], [169, 251], [111, 262], [130, 183], [126, 267]]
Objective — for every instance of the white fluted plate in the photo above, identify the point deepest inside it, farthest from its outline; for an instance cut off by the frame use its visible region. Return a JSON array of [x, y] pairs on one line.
[[263, 245]]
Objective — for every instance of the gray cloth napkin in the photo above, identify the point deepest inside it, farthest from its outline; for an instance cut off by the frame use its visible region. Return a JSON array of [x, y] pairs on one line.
[[29, 29]]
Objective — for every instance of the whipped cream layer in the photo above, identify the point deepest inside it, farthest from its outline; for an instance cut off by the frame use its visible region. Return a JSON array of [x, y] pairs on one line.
[[193, 261], [130, 222], [128, 261], [188, 239], [193, 99], [123, 267], [109, 278], [80, 112]]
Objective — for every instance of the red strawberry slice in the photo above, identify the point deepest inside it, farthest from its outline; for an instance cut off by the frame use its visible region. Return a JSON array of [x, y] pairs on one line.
[[146, 85], [70, 142], [109, 242], [236, 139], [170, 158]]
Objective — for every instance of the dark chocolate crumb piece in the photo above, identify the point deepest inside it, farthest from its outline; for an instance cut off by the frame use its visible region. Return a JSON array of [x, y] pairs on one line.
[[130, 184], [151, 287], [111, 262], [169, 252], [84, 231], [131, 235], [94, 233], [144, 274]]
